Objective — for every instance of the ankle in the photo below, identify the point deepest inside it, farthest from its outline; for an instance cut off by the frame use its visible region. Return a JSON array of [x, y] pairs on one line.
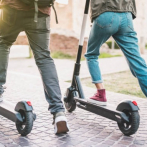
[[100, 89], [59, 114], [99, 85]]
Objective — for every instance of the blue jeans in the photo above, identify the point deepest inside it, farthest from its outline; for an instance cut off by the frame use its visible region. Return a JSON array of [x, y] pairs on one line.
[[120, 27]]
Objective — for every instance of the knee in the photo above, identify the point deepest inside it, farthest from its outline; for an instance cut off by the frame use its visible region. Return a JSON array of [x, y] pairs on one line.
[[43, 58], [43, 61], [90, 57], [4, 48]]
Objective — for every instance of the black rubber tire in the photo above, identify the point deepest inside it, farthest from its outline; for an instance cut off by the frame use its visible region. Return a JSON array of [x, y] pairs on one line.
[[133, 125], [28, 123], [70, 106]]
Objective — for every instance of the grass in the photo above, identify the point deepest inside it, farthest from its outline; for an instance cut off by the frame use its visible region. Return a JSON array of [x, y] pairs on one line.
[[109, 43], [122, 82], [106, 55], [61, 55]]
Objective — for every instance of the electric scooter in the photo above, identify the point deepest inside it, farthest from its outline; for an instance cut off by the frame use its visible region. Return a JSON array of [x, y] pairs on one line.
[[126, 114], [22, 114]]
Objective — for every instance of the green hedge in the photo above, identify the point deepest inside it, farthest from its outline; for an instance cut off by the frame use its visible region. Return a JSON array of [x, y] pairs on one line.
[[109, 43]]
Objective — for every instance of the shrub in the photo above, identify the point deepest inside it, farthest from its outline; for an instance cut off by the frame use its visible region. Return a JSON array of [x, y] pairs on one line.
[[109, 43], [61, 55]]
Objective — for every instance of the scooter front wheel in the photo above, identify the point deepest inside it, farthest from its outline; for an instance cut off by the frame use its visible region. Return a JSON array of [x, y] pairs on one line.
[[70, 106], [129, 128], [27, 125]]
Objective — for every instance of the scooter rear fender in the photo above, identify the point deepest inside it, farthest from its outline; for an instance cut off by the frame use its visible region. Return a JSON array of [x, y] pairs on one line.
[[23, 105], [128, 105]]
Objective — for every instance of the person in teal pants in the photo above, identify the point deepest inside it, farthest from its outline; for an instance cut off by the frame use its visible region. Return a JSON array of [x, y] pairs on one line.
[[116, 20]]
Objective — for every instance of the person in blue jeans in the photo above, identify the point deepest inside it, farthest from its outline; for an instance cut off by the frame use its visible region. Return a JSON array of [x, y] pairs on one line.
[[116, 22]]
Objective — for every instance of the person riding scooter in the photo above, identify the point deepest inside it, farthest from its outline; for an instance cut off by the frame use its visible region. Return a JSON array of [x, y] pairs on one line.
[[114, 18]]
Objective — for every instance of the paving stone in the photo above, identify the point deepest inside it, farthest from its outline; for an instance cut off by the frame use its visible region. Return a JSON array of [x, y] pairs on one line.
[[124, 142], [20, 139], [86, 128], [102, 145], [139, 142], [37, 141], [128, 138], [25, 144], [66, 145], [82, 145], [96, 139], [6, 141], [109, 142], [3, 138], [134, 145], [32, 145], [14, 136], [12, 145], [10, 133], [115, 138], [1, 145], [119, 145]]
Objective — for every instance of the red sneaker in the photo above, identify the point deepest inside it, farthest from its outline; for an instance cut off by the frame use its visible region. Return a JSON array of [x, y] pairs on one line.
[[99, 98]]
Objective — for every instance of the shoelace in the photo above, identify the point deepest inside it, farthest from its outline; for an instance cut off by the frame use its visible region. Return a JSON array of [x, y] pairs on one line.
[[96, 94], [101, 95]]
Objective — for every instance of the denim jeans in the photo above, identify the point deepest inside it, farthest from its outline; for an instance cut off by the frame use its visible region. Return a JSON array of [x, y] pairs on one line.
[[120, 27], [12, 22]]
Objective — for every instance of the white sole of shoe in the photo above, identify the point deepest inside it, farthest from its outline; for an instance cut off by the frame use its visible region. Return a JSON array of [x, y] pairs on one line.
[[97, 102], [1, 99], [61, 125]]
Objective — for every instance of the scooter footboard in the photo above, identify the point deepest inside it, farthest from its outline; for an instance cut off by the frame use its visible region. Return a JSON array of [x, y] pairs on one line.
[[109, 111], [7, 110]]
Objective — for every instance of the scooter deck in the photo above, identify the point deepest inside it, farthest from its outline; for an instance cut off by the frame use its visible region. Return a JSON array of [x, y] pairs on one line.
[[7, 105], [7, 110], [108, 111]]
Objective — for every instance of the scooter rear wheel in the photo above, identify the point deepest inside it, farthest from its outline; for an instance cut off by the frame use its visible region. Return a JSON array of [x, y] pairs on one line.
[[27, 125], [132, 126]]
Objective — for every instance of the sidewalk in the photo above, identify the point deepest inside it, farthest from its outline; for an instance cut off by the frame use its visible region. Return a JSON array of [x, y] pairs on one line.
[[86, 129], [65, 67]]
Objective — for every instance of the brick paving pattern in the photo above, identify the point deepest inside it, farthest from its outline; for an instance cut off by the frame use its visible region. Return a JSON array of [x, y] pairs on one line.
[[86, 129]]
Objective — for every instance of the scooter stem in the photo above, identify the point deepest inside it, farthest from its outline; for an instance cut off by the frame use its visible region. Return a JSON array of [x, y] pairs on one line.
[[81, 41]]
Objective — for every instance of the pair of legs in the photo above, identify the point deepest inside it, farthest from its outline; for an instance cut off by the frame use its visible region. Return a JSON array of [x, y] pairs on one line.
[[12, 22], [120, 27]]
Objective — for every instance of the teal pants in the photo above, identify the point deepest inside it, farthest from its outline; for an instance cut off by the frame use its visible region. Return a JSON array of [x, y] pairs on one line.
[[120, 27]]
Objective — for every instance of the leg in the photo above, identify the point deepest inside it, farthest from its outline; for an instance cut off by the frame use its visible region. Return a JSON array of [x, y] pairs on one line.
[[8, 35], [103, 27], [128, 42], [38, 35]]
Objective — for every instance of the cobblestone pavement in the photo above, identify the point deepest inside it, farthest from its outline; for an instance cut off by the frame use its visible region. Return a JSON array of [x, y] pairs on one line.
[[86, 129]]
